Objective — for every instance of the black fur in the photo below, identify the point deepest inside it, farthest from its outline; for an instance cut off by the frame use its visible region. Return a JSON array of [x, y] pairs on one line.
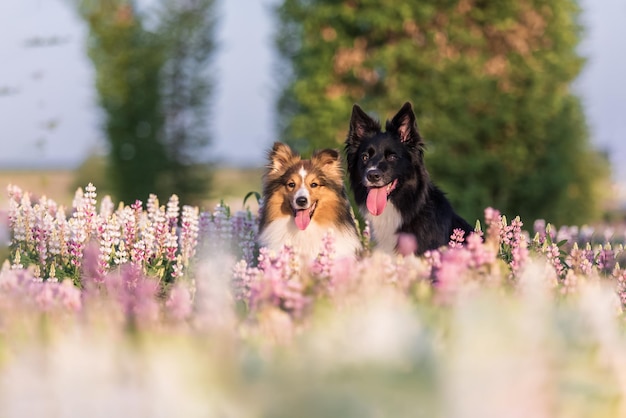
[[399, 154]]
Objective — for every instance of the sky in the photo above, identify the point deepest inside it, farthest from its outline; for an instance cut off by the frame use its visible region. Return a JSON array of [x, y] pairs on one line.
[[49, 115]]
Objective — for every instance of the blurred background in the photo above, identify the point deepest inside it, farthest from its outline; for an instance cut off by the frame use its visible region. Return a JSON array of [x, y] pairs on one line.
[[520, 103]]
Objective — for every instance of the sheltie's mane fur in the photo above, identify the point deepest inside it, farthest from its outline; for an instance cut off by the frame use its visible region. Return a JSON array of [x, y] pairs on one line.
[[304, 199]]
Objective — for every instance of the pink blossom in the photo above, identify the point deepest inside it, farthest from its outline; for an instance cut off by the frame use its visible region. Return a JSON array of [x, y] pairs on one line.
[[407, 244], [179, 305], [457, 238]]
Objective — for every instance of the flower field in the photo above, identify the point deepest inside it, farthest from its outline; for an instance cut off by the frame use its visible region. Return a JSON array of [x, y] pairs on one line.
[[159, 309]]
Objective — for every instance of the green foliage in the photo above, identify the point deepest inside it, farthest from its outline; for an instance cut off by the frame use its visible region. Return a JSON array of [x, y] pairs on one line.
[[153, 85], [490, 82]]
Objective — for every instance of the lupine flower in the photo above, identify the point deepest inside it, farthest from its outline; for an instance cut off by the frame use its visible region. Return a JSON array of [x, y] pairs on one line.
[[606, 259], [135, 293], [581, 260], [173, 209], [324, 261], [189, 233], [179, 304], [457, 238]]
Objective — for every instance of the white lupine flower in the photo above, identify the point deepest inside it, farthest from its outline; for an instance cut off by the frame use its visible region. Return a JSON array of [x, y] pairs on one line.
[[173, 210], [106, 207]]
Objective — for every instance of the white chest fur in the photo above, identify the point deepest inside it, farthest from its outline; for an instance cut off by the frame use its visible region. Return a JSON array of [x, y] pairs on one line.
[[384, 228], [308, 242]]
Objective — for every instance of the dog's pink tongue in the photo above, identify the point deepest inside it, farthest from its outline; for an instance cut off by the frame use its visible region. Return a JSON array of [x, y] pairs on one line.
[[376, 200], [302, 219]]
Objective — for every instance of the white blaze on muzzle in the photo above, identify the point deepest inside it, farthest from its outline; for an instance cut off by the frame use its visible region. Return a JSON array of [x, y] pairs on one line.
[[302, 213]]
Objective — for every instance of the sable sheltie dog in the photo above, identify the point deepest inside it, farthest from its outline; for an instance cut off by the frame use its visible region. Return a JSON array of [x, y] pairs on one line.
[[303, 200], [392, 186]]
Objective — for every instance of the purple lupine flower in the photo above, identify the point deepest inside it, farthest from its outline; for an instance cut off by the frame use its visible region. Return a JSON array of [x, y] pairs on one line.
[[245, 229], [606, 259], [539, 228]]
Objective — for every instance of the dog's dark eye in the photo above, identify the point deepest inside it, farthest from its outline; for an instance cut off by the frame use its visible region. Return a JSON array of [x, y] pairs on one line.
[[365, 157], [314, 185], [291, 184], [392, 157]]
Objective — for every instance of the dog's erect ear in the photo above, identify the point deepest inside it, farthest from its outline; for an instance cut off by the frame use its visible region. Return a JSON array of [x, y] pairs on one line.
[[403, 124], [361, 126], [331, 161], [280, 157]]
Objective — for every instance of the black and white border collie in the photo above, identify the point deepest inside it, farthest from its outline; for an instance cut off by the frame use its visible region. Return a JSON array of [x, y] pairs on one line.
[[392, 187]]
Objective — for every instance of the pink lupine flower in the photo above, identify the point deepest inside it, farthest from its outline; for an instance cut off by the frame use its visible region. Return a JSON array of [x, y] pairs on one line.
[[493, 222], [433, 259], [449, 275], [407, 244], [581, 260], [69, 296], [171, 244], [243, 277], [135, 293], [160, 224], [129, 224], [553, 253], [277, 283], [88, 209], [342, 272], [91, 274], [457, 238], [178, 268], [172, 212], [189, 233], [179, 305], [323, 263], [481, 254]]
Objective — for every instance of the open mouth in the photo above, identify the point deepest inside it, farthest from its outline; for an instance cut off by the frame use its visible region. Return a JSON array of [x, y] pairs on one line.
[[377, 197], [303, 216]]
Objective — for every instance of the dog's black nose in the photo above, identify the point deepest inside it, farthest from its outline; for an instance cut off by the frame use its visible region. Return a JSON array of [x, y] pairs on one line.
[[374, 175], [301, 201]]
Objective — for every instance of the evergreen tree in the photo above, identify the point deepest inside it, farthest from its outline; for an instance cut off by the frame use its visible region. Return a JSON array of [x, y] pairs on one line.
[[490, 82], [153, 86]]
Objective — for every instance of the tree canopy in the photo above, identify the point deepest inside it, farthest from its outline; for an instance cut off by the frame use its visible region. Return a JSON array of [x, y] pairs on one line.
[[490, 83], [153, 84]]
